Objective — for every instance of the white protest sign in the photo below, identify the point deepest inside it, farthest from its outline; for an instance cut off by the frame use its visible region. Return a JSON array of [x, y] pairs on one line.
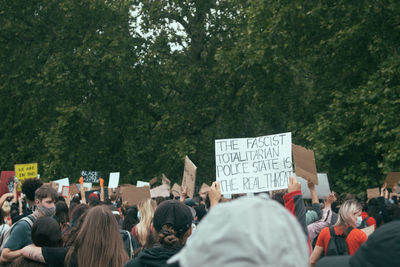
[[322, 189], [61, 183], [141, 184], [85, 185], [250, 165], [160, 191], [114, 180]]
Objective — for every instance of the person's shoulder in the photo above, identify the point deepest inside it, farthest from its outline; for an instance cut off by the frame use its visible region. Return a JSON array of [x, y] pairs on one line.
[[357, 234]]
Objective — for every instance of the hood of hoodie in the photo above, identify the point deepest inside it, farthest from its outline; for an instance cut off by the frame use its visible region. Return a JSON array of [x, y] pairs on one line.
[[157, 255]]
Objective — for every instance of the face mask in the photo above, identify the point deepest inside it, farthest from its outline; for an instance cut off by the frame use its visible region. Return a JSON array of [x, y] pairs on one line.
[[138, 215], [46, 211], [359, 221]]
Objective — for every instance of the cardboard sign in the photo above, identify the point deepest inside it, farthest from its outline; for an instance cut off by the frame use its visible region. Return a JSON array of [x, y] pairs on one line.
[[304, 162], [133, 195], [73, 190], [141, 184], [7, 182], [65, 191], [153, 181], [189, 177], [26, 171], [91, 176], [368, 230], [114, 180], [322, 189], [176, 190], [61, 183], [250, 165], [392, 179], [373, 192], [165, 180], [160, 191]]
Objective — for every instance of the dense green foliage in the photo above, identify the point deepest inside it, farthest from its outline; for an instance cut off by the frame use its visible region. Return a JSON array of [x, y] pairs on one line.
[[134, 86]]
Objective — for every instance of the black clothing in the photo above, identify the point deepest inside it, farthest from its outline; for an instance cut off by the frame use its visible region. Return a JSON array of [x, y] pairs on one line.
[[153, 257]]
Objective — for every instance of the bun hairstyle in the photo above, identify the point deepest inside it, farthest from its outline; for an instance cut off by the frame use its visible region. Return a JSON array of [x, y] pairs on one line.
[[168, 237]]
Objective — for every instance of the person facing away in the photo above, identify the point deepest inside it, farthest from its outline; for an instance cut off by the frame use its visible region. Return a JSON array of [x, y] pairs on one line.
[[348, 220], [20, 235], [97, 243], [172, 224]]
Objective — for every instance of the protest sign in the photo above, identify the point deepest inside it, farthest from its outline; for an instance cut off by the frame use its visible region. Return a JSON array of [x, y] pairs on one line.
[[304, 162], [165, 180], [114, 180], [160, 191], [61, 183], [373, 192], [87, 186], [26, 171], [91, 176], [141, 184], [369, 230], [73, 189], [133, 195], [176, 190], [153, 181], [65, 191], [189, 177], [7, 182], [246, 165], [322, 189], [392, 179]]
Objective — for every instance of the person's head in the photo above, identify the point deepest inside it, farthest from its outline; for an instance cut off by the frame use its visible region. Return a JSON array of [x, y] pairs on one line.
[[98, 241], [200, 212], [130, 219], [249, 231], [146, 211], [172, 221], [29, 187], [349, 213], [45, 199], [77, 212], [62, 215], [46, 232]]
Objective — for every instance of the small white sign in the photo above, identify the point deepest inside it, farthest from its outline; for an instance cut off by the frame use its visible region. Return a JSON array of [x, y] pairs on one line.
[[114, 180], [141, 184], [322, 189], [61, 182]]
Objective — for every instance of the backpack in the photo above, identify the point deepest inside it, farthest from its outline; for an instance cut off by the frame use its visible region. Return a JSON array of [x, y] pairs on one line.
[[364, 223], [7, 234], [337, 244]]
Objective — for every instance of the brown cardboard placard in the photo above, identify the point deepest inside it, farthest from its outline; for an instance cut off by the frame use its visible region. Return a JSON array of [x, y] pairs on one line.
[[369, 230], [304, 162], [176, 190], [133, 195], [153, 181], [160, 191], [373, 192], [73, 190], [392, 179], [165, 180], [189, 177]]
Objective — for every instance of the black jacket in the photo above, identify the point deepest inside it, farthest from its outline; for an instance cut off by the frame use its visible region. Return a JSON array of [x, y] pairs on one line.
[[153, 257]]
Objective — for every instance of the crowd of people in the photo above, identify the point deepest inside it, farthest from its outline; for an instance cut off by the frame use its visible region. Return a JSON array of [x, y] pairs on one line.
[[41, 228]]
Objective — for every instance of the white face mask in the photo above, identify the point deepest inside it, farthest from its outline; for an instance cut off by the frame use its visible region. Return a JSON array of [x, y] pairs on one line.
[[359, 221]]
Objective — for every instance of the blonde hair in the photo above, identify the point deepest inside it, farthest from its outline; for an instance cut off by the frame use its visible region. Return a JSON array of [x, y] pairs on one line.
[[347, 209], [146, 210]]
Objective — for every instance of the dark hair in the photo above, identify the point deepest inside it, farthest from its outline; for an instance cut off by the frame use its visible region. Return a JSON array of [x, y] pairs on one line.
[[159, 200], [21, 261], [76, 199], [46, 232], [131, 218], [200, 211], [169, 237], [29, 187], [94, 201], [46, 191], [62, 212]]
